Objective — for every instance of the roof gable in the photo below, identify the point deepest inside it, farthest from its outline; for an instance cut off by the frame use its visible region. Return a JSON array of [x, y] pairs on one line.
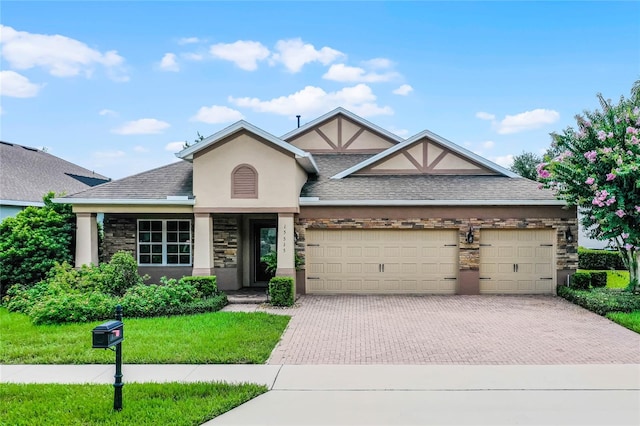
[[341, 131], [426, 154], [304, 158]]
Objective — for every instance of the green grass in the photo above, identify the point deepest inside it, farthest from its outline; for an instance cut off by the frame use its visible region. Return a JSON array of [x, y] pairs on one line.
[[629, 320], [211, 338], [615, 279], [143, 404]]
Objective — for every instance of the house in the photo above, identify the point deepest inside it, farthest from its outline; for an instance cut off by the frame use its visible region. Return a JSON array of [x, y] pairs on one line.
[[369, 212], [27, 174]]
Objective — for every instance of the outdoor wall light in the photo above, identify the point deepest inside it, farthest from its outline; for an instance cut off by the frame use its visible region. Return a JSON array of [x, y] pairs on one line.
[[568, 235], [470, 235]]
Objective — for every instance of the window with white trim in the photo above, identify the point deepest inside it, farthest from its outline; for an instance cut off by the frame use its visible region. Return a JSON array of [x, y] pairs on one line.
[[164, 242]]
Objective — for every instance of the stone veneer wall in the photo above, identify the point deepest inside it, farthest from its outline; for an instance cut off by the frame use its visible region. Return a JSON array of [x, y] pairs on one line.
[[225, 241], [119, 234], [566, 253]]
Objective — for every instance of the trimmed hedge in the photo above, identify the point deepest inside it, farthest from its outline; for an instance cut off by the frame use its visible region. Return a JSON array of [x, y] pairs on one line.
[[282, 291], [599, 259], [598, 279], [581, 280], [601, 301], [206, 285]]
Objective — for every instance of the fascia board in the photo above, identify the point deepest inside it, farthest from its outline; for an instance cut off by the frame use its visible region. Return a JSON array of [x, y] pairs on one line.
[[19, 203], [115, 201], [308, 202]]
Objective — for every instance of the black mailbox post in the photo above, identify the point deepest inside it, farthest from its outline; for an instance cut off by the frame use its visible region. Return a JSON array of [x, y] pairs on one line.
[[108, 334], [105, 336]]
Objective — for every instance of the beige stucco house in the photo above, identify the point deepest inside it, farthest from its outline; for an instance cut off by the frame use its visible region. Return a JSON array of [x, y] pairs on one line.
[[368, 211]]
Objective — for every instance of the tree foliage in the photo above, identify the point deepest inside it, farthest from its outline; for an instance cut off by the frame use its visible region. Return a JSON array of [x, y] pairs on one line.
[[598, 170], [525, 165], [33, 241]]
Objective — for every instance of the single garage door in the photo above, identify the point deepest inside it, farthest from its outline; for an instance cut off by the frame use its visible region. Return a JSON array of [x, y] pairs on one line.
[[381, 261], [517, 262]]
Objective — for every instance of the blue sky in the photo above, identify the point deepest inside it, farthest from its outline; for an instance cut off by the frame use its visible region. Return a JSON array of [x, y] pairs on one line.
[[117, 87]]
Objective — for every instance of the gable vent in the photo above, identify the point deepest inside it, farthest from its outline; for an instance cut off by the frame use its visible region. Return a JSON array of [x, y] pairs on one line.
[[244, 182]]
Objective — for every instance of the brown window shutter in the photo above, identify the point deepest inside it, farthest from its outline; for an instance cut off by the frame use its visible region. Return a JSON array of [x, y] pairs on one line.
[[244, 182]]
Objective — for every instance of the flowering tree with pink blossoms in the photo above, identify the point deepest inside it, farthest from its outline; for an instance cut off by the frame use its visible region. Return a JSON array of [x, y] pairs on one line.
[[598, 170]]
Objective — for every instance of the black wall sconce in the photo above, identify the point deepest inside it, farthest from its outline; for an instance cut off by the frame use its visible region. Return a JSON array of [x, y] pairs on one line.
[[568, 235], [470, 235]]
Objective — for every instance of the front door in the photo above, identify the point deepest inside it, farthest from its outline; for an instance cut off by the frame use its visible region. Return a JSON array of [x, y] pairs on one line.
[[264, 242]]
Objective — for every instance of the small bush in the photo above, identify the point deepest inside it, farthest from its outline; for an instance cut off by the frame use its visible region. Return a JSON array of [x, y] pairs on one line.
[[282, 291], [599, 259], [152, 300], [73, 307], [598, 279], [207, 285], [581, 280], [601, 301], [122, 273]]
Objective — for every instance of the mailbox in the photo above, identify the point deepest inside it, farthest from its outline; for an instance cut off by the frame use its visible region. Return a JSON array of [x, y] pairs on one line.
[[108, 334]]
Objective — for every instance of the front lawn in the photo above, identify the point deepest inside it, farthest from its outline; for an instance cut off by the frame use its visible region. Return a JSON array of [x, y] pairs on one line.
[[629, 320], [143, 403], [211, 338]]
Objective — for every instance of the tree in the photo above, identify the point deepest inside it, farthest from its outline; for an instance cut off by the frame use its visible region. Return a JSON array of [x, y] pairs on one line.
[[598, 170], [33, 241], [525, 165]]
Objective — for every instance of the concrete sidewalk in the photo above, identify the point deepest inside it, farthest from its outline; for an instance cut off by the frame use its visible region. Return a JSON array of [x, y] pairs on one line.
[[394, 394]]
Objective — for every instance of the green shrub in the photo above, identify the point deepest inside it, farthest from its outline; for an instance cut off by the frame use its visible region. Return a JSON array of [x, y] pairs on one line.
[[122, 273], [152, 300], [599, 259], [282, 291], [199, 306], [33, 241], [206, 285], [73, 307], [271, 261], [601, 301], [581, 280], [598, 279]]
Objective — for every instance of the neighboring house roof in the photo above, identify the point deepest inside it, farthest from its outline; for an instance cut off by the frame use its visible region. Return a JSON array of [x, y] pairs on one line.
[[313, 123], [27, 174], [173, 182], [304, 158]]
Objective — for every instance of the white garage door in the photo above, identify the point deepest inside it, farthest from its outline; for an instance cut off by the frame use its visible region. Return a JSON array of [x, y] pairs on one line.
[[381, 261], [517, 262]]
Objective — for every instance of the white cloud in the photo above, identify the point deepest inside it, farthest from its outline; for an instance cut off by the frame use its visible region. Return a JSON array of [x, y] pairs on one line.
[[313, 100], [245, 54], [403, 90], [174, 146], [294, 54], [192, 56], [527, 121], [140, 149], [109, 154], [189, 40], [217, 114], [109, 112], [16, 85], [144, 126], [485, 116], [168, 63], [400, 132], [347, 74], [488, 144], [504, 160], [61, 56], [378, 63]]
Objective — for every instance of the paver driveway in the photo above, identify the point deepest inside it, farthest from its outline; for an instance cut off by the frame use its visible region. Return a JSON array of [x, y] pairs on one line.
[[450, 330]]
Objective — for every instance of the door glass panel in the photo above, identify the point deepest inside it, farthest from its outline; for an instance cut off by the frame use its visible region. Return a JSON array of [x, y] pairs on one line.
[[267, 240]]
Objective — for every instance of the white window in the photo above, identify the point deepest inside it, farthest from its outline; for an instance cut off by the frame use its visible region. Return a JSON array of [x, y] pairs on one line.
[[164, 242]]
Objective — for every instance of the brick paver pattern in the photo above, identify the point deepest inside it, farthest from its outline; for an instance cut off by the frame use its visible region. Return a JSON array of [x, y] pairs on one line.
[[353, 329]]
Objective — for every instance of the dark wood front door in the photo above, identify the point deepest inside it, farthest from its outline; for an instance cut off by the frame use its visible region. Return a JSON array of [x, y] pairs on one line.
[[264, 242]]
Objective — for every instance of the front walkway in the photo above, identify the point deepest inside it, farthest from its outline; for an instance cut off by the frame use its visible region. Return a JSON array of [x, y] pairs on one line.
[[484, 329]]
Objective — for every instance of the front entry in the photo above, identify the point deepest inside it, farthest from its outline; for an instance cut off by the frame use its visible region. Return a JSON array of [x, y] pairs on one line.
[[264, 240]]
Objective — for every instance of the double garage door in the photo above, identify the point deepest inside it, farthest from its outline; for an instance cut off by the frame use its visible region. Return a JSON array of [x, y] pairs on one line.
[[382, 261], [372, 261]]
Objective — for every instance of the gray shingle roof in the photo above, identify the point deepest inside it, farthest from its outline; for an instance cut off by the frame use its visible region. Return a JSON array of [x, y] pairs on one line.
[[175, 179], [415, 187], [27, 174]]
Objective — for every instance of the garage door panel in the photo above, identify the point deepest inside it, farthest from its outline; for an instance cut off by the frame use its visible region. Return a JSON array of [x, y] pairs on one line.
[[382, 261], [517, 261]]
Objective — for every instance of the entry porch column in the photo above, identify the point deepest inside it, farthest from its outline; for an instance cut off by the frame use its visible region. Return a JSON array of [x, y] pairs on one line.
[[203, 245], [86, 239], [286, 246]]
